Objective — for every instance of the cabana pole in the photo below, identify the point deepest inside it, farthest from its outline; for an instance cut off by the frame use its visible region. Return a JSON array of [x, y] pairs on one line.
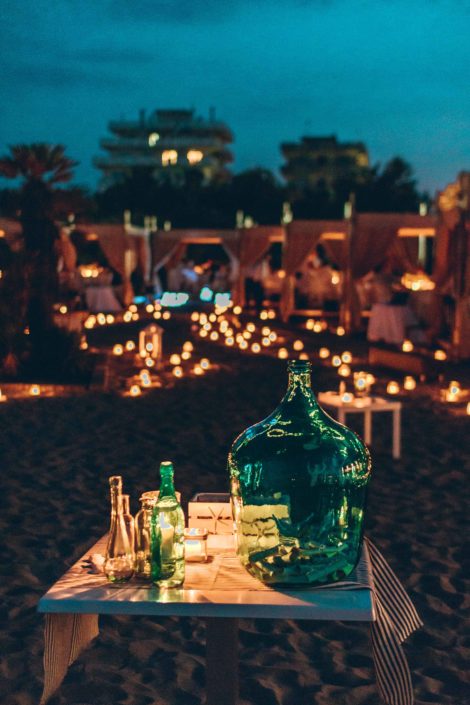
[[347, 302]]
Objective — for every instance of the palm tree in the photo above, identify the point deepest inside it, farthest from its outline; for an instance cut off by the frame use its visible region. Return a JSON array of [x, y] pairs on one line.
[[41, 166]]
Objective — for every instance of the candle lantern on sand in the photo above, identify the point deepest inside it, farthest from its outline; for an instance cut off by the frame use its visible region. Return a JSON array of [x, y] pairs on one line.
[[150, 342]]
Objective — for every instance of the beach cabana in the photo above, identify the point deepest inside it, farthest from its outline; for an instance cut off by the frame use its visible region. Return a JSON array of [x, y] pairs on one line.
[[244, 248], [356, 246], [123, 252]]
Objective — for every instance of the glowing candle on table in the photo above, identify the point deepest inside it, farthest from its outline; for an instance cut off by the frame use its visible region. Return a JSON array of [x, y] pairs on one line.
[[195, 545], [393, 388], [409, 383], [440, 355], [407, 346], [168, 533], [453, 391]]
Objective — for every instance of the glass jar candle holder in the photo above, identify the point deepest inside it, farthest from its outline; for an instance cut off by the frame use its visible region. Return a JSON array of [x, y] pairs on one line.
[[195, 545]]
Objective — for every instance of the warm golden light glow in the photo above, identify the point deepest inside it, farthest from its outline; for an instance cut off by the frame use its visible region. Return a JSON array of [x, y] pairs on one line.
[[309, 324], [135, 390], [229, 341], [169, 156], [197, 369], [283, 353], [178, 371], [251, 327], [63, 309], [346, 357], [166, 315], [340, 331], [347, 398], [127, 317], [130, 345], [393, 388], [256, 348], [303, 356], [237, 310], [186, 355], [298, 345], [324, 353], [243, 344], [118, 349], [317, 327], [205, 363], [214, 335], [344, 370], [35, 390], [409, 383], [175, 359], [265, 342], [195, 316], [440, 355], [407, 346], [203, 333], [264, 315], [188, 346], [194, 156], [336, 361]]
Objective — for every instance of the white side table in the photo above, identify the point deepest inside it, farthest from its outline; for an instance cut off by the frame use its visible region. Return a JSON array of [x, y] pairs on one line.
[[367, 406]]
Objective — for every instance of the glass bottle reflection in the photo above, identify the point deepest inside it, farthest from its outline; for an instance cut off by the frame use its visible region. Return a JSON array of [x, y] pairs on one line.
[[143, 537], [298, 483], [119, 561]]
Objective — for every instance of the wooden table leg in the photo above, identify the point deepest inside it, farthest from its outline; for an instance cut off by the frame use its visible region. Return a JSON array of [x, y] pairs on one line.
[[396, 433], [221, 661], [367, 427]]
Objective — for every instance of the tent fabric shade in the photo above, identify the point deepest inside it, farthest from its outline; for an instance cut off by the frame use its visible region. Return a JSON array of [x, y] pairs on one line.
[[302, 236], [374, 237]]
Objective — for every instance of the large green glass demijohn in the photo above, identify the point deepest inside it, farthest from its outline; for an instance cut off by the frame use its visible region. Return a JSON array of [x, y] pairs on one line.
[[298, 484]]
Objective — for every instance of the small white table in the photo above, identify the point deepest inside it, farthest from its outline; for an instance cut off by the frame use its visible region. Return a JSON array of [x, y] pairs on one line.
[[220, 591], [367, 406]]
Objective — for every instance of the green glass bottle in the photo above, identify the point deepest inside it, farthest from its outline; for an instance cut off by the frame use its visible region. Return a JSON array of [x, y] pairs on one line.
[[167, 533], [298, 485]]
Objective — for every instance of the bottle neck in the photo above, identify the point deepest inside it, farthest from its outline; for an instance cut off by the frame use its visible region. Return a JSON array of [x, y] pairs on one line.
[[167, 488], [115, 489], [299, 389]]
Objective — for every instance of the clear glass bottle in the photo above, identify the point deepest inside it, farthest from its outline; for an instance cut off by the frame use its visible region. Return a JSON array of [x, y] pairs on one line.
[[298, 484], [119, 561], [167, 533], [128, 520], [143, 537]]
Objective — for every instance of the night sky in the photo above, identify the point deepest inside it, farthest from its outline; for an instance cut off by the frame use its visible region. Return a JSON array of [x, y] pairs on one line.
[[392, 73]]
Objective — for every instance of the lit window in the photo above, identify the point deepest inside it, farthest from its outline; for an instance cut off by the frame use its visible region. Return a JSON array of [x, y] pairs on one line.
[[153, 139], [169, 156], [194, 156]]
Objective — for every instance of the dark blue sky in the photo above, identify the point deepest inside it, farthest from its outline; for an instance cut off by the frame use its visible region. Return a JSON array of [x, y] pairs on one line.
[[393, 73]]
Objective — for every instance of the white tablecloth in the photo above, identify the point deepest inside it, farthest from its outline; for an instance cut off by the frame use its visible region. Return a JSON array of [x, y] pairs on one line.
[[101, 299], [389, 324]]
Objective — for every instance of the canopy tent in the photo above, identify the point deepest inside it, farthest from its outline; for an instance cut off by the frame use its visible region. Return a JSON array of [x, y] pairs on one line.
[[302, 237], [123, 252], [244, 247], [356, 246], [452, 266]]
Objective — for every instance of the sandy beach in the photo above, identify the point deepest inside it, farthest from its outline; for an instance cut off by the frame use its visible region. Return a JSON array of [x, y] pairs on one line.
[[56, 456]]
